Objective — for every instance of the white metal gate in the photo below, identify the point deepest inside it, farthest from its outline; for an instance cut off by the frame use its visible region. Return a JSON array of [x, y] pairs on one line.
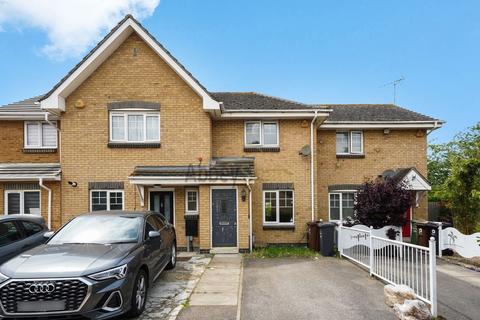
[[393, 261]]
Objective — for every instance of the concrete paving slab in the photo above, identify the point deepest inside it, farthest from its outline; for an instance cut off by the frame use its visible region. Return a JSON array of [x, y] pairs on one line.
[[209, 313]]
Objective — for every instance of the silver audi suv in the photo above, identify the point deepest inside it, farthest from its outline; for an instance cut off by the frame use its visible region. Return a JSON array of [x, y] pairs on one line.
[[99, 265]]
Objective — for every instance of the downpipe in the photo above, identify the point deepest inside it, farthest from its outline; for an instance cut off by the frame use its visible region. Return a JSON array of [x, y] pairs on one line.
[[49, 209], [312, 157]]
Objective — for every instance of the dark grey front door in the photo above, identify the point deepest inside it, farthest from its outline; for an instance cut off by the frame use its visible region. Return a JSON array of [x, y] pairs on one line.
[[224, 217], [162, 202]]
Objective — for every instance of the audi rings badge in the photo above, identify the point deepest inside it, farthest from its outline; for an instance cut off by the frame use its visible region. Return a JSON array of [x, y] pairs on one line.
[[41, 287]]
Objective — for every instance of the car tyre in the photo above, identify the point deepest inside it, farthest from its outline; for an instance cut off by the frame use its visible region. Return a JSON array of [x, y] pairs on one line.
[[172, 257], [139, 294]]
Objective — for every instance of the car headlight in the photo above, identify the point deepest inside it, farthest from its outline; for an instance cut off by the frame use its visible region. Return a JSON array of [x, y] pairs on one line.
[[117, 273], [3, 278]]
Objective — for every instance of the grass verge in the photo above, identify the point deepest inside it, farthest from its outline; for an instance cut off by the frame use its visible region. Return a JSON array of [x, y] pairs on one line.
[[282, 252]]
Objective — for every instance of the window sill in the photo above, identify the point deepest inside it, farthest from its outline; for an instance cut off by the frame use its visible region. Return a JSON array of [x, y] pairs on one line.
[[261, 149], [278, 227], [134, 145], [350, 156], [39, 150]]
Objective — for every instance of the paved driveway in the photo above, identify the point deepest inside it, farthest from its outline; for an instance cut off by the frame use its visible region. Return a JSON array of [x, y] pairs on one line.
[[326, 288], [458, 292]]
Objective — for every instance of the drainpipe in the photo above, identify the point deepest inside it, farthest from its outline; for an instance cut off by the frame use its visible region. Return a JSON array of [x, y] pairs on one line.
[[50, 122], [49, 215], [312, 154], [247, 180]]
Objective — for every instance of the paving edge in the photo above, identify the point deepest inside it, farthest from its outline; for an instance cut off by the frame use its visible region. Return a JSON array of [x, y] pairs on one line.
[[461, 264], [240, 291], [175, 312]]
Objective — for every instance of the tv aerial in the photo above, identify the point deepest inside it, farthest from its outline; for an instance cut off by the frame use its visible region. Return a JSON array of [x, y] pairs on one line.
[[395, 83]]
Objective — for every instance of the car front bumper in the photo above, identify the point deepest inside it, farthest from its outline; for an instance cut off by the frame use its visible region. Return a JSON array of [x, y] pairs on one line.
[[95, 305]]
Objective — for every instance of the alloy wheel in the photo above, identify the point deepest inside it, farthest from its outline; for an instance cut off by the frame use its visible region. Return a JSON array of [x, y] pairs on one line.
[[140, 294]]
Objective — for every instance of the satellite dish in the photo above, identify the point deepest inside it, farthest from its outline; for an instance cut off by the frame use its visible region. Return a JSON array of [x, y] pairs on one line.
[[388, 174], [305, 151]]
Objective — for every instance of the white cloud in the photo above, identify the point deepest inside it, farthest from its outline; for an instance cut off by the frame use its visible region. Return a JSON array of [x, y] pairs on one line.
[[71, 26]]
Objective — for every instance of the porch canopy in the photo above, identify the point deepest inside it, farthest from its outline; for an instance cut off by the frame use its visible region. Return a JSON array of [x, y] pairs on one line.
[[413, 179], [30, 172]]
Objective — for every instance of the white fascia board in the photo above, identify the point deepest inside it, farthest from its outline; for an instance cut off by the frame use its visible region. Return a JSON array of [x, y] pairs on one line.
[[276, 115], [186, 180], [380, 125], [24, 116], [56, 100], [19, 177]]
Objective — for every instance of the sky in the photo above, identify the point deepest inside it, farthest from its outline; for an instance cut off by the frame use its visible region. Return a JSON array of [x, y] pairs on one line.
[[309, 51]]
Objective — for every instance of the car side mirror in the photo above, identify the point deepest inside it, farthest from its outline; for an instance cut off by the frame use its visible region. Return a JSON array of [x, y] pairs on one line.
[[48, 234], [153, 234]]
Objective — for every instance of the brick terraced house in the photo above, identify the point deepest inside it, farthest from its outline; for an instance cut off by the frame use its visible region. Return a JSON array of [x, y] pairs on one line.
[[130, 128]]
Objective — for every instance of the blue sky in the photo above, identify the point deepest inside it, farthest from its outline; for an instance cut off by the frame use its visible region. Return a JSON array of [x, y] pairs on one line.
[[310, 51]]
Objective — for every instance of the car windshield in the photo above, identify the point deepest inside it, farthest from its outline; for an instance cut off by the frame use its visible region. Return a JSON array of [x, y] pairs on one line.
[[101, 229]]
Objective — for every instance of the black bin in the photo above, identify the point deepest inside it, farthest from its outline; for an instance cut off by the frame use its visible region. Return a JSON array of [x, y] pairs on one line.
[[191, 225], [326, 236], [426, 230]]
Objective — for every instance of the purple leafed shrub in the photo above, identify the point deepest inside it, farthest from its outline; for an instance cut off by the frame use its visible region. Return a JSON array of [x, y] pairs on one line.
[[383, 202]]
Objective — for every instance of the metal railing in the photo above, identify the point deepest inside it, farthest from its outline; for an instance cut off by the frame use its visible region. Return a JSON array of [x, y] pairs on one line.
[[392, 261]]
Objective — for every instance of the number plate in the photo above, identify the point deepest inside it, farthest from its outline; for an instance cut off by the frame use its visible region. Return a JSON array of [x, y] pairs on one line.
[[40, 306]]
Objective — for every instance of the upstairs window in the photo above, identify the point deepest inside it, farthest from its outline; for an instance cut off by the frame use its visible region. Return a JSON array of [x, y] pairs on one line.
[[40, 135], [350, 142], [134, 127], [261, 133]]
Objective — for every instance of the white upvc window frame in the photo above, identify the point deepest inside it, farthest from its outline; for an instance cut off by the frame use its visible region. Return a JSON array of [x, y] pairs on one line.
[[350, 133], [125, 114], [277, 222], [39, 125], [108, 191], [340, 193], [262, 138], [186, 201], [22, 201]]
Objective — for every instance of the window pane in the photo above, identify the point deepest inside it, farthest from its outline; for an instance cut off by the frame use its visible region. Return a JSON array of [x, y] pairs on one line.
[[116, 200], [356, 142], [252, 132], [192, 201], [31, 228], [8, 233], [270, 206], [99, 200], [118, 128], [135, 128], [270, 134], [347, 205], [31, 202], [334, 207], [13, 203], [286, 206], [153, 132], [342, 142], [49, 135], [33, 135]]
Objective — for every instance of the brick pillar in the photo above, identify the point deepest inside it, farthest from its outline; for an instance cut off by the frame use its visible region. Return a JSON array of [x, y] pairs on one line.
[[204, 217]]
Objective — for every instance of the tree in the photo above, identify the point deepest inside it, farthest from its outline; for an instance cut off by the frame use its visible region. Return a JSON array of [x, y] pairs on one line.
[[454, 171], [383, 202]]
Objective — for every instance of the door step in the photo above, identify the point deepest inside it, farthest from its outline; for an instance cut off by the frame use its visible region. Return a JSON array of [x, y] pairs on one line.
[[224, 250]]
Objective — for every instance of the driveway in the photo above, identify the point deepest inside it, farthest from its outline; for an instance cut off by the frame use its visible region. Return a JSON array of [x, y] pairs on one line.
[[323, 288], [458, 291], [173, 288]]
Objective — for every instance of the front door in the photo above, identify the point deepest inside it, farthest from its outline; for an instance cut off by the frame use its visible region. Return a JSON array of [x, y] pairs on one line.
[[224, 217], [162, 202], [407, 227]]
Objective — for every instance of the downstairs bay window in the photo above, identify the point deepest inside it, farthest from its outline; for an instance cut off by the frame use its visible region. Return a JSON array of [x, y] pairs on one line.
[[22, 202], [278, 207], [106, 200], [341, 205]]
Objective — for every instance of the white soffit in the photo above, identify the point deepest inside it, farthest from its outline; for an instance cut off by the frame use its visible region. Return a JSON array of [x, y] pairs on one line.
[[56, 99]]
